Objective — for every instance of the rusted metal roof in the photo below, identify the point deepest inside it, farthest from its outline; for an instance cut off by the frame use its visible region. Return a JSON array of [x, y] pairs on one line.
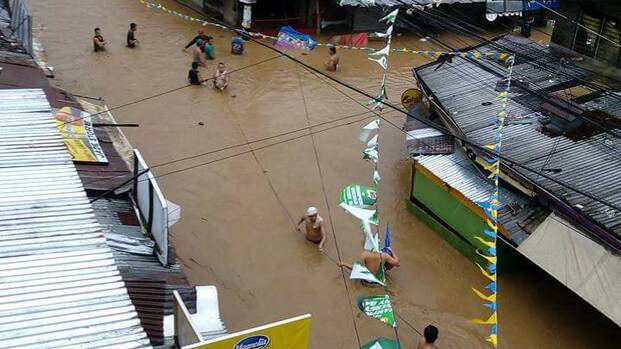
[[60, 285], [466, 93]]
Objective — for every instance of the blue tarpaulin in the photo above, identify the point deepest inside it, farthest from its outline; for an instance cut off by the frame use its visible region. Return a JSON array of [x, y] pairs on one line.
[[290, 38]]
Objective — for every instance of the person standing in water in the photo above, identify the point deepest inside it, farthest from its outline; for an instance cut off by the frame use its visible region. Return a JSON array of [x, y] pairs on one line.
[[194, 76], [431, 335], [377, 262], [197, 54], [131, 36], [315, 227], [201, 35], [209, 50], [221, 77], [333, 61], [99, 43]]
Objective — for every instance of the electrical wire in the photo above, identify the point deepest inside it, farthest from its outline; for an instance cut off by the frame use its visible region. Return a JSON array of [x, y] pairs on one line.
[[327, 203], [190, 157], [547, 34], [576, 23], [601, 127], [444, 130], [442, 21], [167, 91]]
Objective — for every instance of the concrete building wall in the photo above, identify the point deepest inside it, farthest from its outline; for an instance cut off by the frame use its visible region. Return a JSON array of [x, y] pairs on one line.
[[569, 39]]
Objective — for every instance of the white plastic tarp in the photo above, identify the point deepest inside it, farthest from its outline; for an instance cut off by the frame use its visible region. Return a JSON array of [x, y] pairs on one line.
[[581, 264]]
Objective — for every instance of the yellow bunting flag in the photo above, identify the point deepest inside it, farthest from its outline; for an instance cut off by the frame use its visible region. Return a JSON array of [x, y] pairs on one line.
[[485, 242], [492, 277], [492, 225], [493, 339], [492, 165], [490, 298], [490, 321], [490, 259]]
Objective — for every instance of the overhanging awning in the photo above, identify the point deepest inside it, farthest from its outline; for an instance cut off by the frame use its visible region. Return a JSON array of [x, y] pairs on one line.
[[581, 264]]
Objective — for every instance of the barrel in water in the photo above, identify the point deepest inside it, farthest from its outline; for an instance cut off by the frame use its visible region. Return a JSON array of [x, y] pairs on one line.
[[237, 45]]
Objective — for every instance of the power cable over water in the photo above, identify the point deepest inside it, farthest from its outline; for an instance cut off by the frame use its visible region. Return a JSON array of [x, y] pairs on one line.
[[442, 129], [160, 94]]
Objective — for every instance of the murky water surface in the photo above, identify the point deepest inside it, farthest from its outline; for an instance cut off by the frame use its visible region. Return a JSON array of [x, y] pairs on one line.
[[237, 231]]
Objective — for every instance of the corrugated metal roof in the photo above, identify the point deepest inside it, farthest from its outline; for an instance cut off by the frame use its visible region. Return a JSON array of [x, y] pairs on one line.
[[60, 285], [466, 93], [608, 102], [150, 285], [458, 171]]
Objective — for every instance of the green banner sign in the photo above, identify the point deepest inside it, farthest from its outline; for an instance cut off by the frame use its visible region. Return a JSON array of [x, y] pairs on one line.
[[378, 307], [358, 195]]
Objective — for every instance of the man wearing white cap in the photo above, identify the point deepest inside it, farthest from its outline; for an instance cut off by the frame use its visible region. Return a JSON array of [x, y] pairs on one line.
[[315, 228]]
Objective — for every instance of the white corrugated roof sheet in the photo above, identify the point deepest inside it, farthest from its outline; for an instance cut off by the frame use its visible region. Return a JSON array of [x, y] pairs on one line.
[[59, 285]]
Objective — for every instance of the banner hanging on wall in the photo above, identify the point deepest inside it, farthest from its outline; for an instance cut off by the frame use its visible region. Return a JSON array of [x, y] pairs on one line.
[[79, 136]]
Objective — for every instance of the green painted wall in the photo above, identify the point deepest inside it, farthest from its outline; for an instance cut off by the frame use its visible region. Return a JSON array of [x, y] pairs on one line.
[[456, 215], [448, 235]]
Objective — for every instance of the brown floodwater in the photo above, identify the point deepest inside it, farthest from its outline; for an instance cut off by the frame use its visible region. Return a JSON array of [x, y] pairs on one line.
[[236, 230]]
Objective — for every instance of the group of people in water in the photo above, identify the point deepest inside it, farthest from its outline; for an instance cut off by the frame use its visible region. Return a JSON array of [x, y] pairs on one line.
[[376, 262], [314, 225], [202, 51], [99, 43]]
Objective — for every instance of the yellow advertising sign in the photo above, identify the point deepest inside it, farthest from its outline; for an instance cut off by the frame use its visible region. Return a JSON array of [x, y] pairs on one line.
[[410, 97], [292, 333], [79, 135]]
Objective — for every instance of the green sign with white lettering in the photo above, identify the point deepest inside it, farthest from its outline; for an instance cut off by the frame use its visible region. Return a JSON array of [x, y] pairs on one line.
[[378, 307]]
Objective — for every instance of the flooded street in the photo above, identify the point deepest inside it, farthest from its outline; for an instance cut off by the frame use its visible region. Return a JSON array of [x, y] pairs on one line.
[[240, 204]]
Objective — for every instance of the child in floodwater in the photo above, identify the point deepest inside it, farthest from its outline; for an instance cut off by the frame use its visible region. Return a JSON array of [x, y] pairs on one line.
[[221, 77], [431, 335], [99, 43], [333, 61]]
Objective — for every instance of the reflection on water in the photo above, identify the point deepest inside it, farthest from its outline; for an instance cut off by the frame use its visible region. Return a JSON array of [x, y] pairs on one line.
[[236, 234]]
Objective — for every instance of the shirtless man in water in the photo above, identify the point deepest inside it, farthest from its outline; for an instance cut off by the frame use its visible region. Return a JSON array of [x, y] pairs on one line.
[[373, 260], [315, 227]]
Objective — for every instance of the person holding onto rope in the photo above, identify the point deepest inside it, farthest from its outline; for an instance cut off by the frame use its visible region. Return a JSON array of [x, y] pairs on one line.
[[201, 36], [315, 227], [221, 77], [378, 263]]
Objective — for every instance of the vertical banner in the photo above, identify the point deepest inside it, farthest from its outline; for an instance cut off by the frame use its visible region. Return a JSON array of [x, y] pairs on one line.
[[489, 237]]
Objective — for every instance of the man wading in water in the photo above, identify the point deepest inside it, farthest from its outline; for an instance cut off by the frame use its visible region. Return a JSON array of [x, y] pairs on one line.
[[315, 227], [377, 262]]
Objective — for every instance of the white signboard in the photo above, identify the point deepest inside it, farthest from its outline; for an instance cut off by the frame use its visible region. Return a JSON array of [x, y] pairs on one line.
[[152, 206]]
